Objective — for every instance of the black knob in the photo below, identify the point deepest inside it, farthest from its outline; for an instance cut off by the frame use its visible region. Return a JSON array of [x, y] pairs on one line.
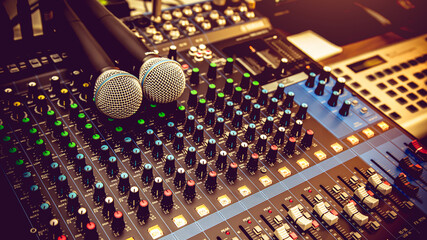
[[189, 124], [26, 124], [169, 167], [242, 153], [253, 91], [201, 107], [190, 158], [228, 68], [237, 120], [33, 135], [231, 140], [219, 127], [27, 178], [81, 121], [64, 139], [41, 104], [64, 98], [99, 193], [55, 84], [290, 146], [79, 163], [229, 110], [62, 187], [71, 150], [112, 167], [345, 109], [333, 100], [96, 142], [18, 111], [149, 138], [54, 172], [285, 120], [124, 184], [272, 106], [254, 116], [289, 101], [135, 158], [283, 68], [212, 71], [339, 85], [82, 218], [252, 165], [167, 201], [280, 91], [296, 129], [170, 131], [307, 140], [118, 223], [211, 182], [87, 176], [180, 115], [179, 180], [221, 162], [271, 156], [46, 159], [244, 83], [32, 90], [229, 87], [58, 127], [310, 80], [198, 135], [210, 117], [263, 98], [250, 132], [219, 102], [72, 203], [246, 104], [172, 52], [90, 232], [261, 144], [45, 213], [302, 112], [157, 152], [231, 174], [54, 230], [108, 209], [88, 131], [178, 143], [325, 74], [147, 174], [157, 189], [210, 151], [194, 78], [190, 191], [320, 89], [35, 195], [133, 198], [211, 92], [237, 95], [40, 147], [268, 125], [201, 170], [143, 212], [192, 99]]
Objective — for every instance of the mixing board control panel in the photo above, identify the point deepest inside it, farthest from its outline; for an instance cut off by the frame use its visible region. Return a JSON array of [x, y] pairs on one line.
[[264, 143]]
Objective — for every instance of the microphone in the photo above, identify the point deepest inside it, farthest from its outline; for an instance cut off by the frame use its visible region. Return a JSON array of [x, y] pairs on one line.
[[117, 94], [162, 80]]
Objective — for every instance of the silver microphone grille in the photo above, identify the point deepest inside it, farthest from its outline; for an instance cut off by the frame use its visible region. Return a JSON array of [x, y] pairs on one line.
[[162, 80], [117, 94]]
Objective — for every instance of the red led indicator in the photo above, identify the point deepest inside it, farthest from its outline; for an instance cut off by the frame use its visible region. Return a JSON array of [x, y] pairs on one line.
[[309, 190], [228, 233], [249, 221], [291, 201], [270, 211]]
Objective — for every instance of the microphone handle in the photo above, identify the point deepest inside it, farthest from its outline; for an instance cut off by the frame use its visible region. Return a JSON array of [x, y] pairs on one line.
[[116, 28], [94, 52]]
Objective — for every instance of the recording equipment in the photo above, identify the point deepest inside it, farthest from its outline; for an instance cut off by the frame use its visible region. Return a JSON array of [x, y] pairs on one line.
[[264, 143], [117, 94], [394, 80], [152, 71]]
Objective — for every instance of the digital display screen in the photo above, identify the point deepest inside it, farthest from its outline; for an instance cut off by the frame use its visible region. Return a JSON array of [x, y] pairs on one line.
[[366, 63]]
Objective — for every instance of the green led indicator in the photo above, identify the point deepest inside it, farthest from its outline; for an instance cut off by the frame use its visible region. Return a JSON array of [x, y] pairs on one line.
[[81, 115], [110, 119], [255, 83], [181, 108], [153, 105], [193, 92], [13, 150], [229, 80], [33, 130], [72, 145], [64, 134], [162, 114], [221, 95], [57, 123], [212, 86], [213, 64], [50, 113], [239, 89], [39, 142], [230, 60], [25, 120], [196, 70], [119, 129], [19, 162], [6, 139], [96, 137], [202, 101], [74, 105], [246, 75], [46, 153], [88, 126], [141, 121]]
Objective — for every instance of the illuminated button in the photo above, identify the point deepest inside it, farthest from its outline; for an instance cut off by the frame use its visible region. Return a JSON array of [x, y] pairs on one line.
[[265, 180], [384, 126], [244, 190], [179, 221], [202, 210], [155, 232], [285, 172], [224, 200], [353, 140], [257, 230], [368, 133], [303, 163], [320, 155], [131, 238], [337, 147]]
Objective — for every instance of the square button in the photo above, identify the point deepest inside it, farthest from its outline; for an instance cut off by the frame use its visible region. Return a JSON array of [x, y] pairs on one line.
[[374, 100], [353, 140], [384, 107], [402, 89], [422, 104], [419, 75], [379, 74], [383, 125], [412, 85], [365, 92], [422, 92], [391, 93], [392, 82], [412, 96], [396, 68], [388, 71], [347, 77], [381, 86], [412, 108], [421, 59], [355, 85], [337, 71], [404, 65], [413, 62], [371, 77], [424, 71], [395, 116], [402, 78], [402, 101]]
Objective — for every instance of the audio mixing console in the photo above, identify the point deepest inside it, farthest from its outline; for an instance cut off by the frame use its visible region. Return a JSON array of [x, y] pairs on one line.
[[264, 143]]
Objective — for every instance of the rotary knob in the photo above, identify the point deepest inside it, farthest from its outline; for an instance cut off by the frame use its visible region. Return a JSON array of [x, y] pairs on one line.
[[190, 191], [133, 198], [147, 174], [221, 162], [190, 158], [157, 189], [179, 179], [167, 201], [211, 182], [143, 212], [231, 174], [201, 170]]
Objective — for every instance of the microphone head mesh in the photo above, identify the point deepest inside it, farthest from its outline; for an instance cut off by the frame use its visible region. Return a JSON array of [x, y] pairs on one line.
[[117, 94], [162, 80]]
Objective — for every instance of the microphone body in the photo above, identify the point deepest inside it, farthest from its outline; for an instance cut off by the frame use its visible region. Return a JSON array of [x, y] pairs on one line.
[[117, 94]]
